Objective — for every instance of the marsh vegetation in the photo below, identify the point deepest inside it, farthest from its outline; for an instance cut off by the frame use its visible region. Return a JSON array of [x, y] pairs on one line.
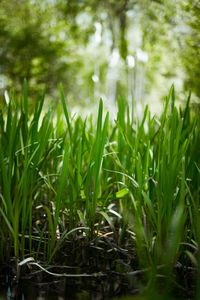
[[93, 198]]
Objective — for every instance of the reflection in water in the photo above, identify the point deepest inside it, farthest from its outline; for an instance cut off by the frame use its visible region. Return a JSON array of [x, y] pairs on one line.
[[29, 292], [78, 289], [9, 293]]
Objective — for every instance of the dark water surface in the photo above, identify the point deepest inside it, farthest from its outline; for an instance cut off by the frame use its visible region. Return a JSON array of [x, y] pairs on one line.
[[109, 266], [85, 288]]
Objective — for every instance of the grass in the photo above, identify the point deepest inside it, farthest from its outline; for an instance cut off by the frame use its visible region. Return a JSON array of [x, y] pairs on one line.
[[137, 180]]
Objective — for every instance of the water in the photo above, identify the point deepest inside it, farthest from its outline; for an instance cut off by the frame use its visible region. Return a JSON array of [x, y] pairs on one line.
[[67, 288]]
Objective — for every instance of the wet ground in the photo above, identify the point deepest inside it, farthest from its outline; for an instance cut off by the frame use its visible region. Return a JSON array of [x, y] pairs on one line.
[[107, 265], [38, 285], [99, 271], [85, 288]]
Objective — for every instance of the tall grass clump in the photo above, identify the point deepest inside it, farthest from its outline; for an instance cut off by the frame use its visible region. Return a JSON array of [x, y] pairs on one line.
[[136, 183]]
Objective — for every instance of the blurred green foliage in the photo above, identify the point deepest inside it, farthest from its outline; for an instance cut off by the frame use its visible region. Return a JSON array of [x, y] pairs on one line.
[[27, 50], [52, 41], [191, 55]]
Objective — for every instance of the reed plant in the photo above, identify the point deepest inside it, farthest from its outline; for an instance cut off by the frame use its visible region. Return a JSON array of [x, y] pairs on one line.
[[62, 176]]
